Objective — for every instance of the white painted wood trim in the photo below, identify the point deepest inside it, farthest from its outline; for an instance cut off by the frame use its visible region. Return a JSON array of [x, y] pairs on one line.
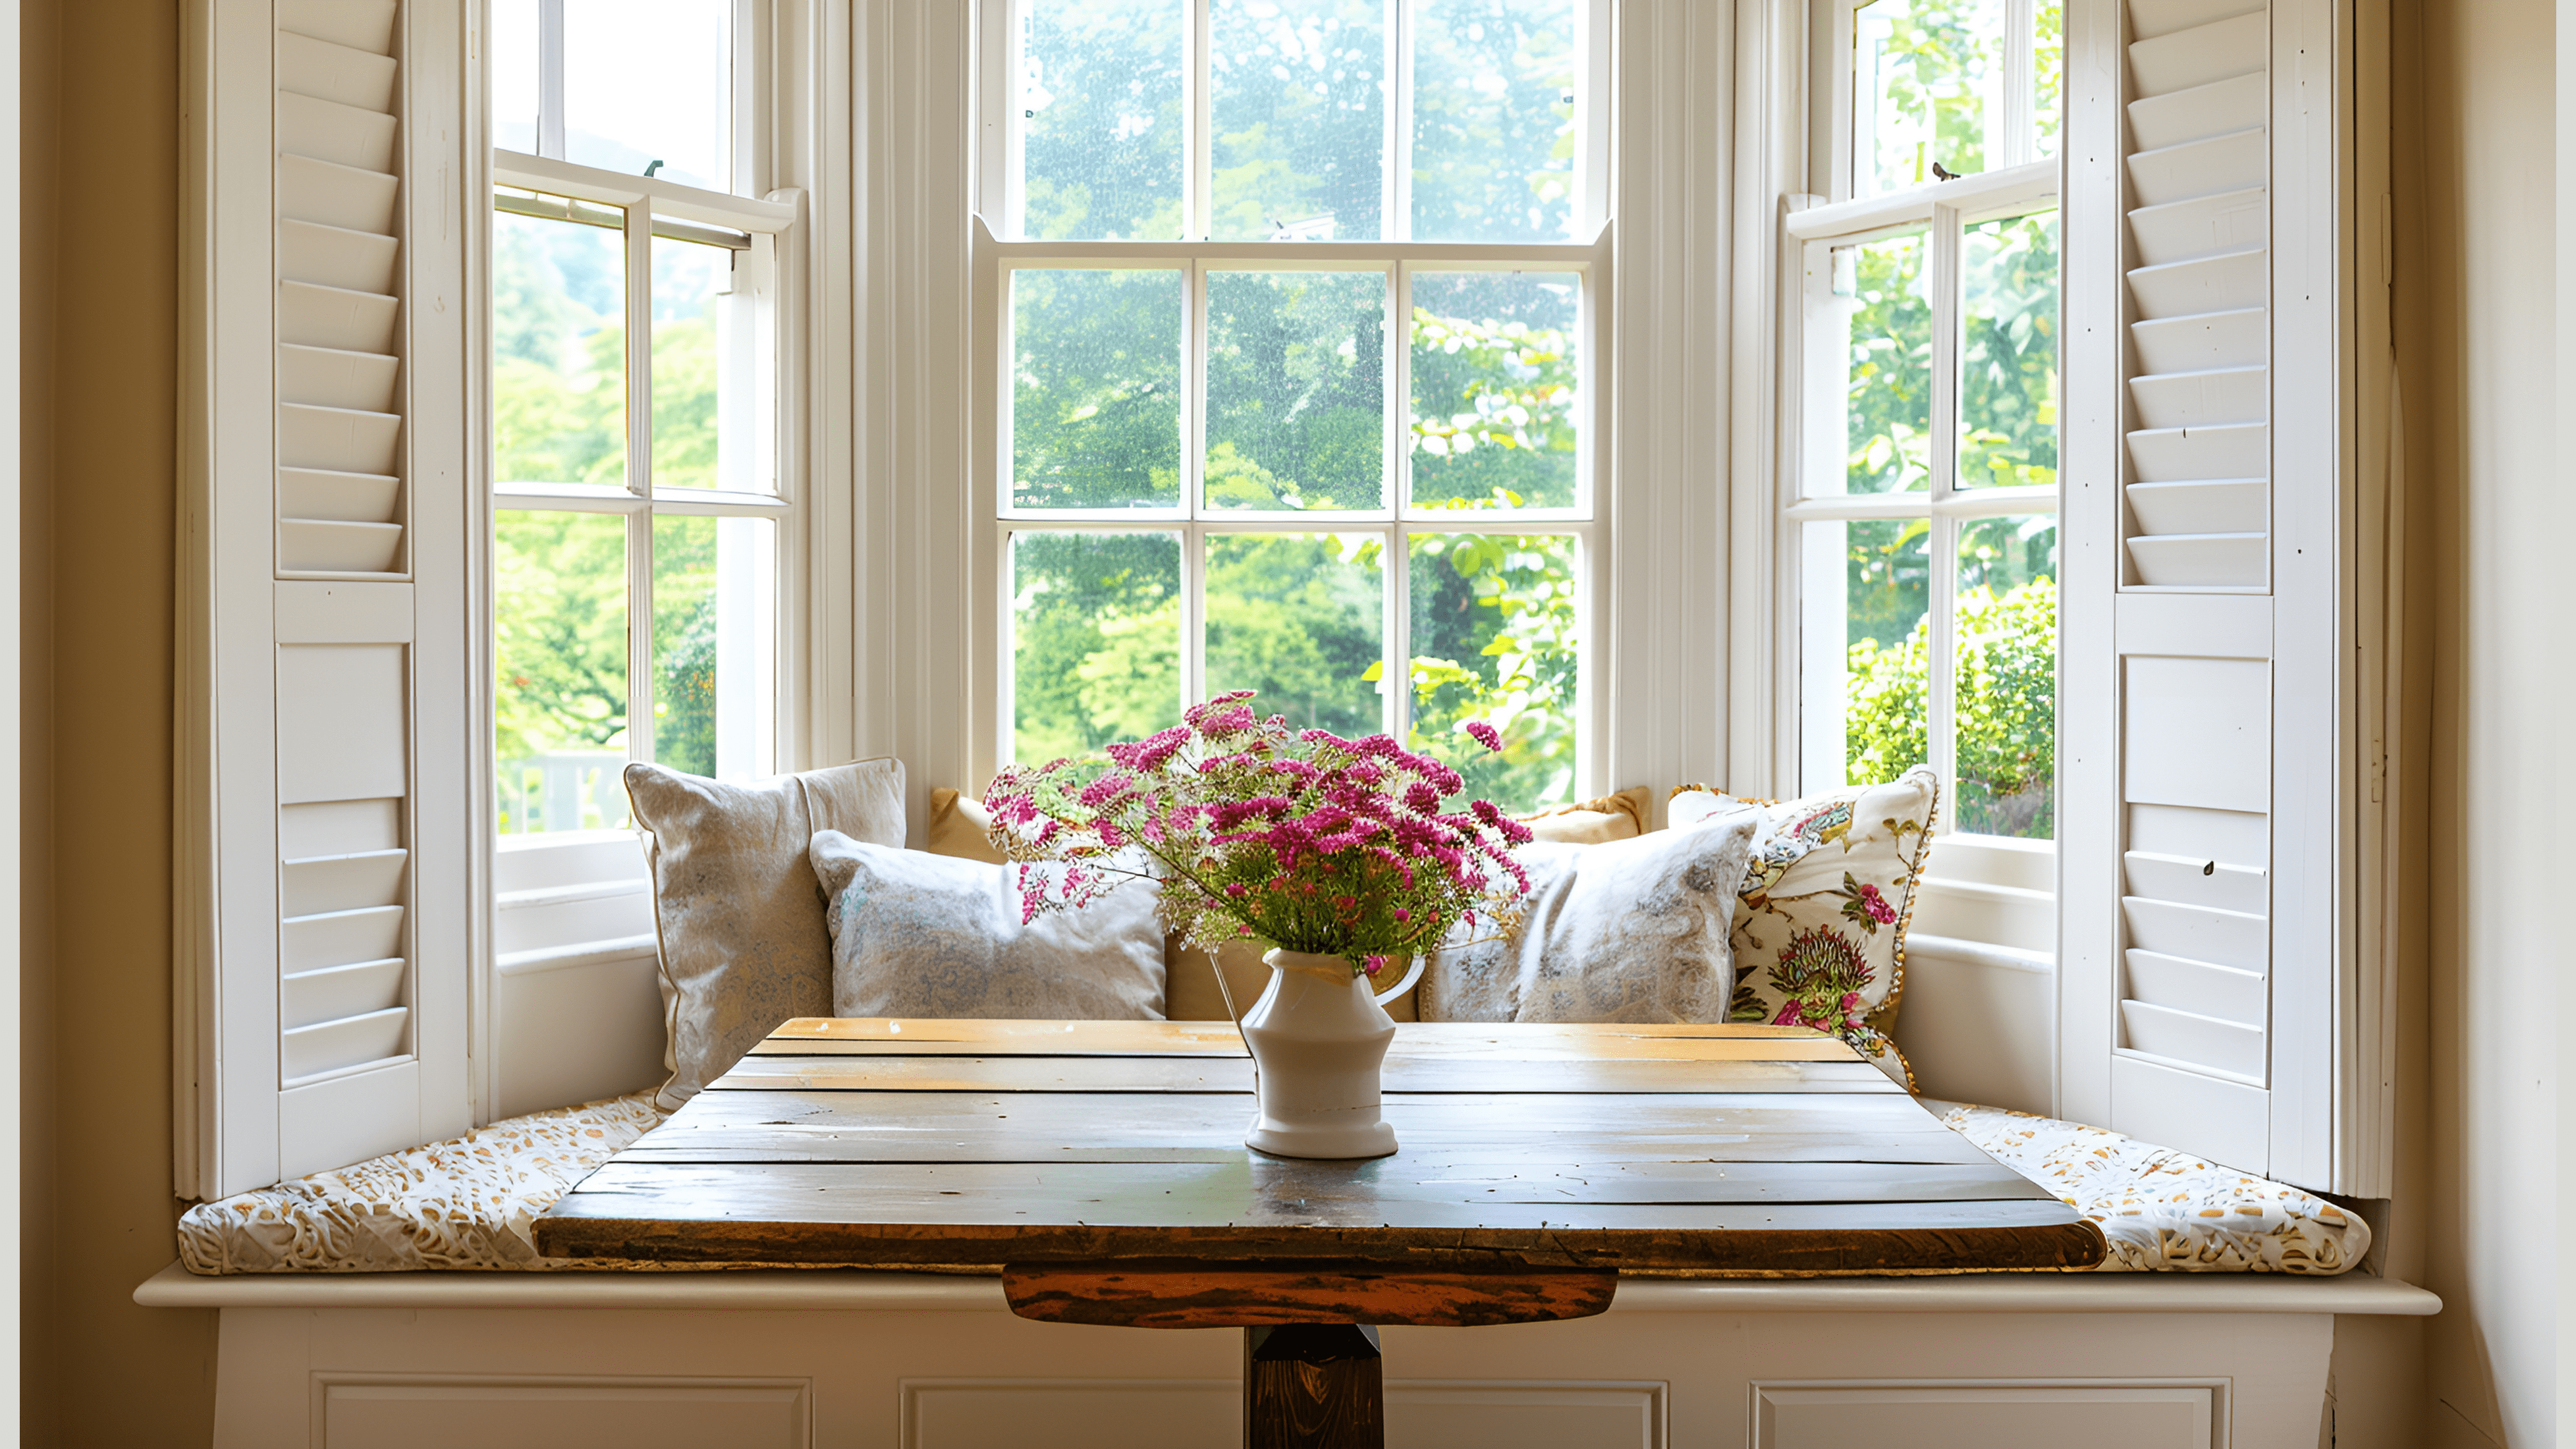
[[867, 1292]]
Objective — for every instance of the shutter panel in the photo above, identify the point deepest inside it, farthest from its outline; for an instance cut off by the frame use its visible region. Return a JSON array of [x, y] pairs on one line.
[[324, 765], [2209, 861]]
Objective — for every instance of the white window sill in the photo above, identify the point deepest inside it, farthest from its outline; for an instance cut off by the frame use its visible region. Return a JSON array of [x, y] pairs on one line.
[[846, 1292]]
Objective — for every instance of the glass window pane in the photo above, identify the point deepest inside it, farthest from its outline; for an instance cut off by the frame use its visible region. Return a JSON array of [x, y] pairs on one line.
[[1495, 421], [558, 351], [1296, 390], [714, 644], [1927, 88], [2005, 696], [1888, 371], [1866, 651], [1297, 118], [559, 652], [1494, 132], [712, 417], [651, 80], [1299, 619], [1493, 620], [1096, 389], [1095, 640], [2048, 74], [1101, 119], [2008, 353], [514, 75]]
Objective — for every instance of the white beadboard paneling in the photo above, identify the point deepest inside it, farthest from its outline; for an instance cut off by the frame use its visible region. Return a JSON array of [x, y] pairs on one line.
[[2203, 933], [2203, 399], [318, 316], [2217, 505], [2205, 226], [322, 546], [2183, 455], [335, 195], [360, 24], [2201, 560], [340, 73], [334, 378], [309, 998], [331, 256], [2201, 1041], [309, 493], [2196, 880], [2212, 284], [2241, 338], [2215, 166], [312, 886], [2201, 987], [2220, 1120], [337, 938], [2198, 56], [342, 714], [329, 131], [2198, 732], [2211, 110], [337, 440]]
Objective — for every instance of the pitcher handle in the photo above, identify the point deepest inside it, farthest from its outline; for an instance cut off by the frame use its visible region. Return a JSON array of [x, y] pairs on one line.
[[1401, 987]]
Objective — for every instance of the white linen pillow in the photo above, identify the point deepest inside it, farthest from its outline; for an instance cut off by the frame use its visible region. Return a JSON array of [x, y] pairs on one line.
[[1631, 930], [917, 934]]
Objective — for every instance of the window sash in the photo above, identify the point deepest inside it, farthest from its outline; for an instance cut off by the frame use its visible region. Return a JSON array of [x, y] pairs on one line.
[[2015, 148]]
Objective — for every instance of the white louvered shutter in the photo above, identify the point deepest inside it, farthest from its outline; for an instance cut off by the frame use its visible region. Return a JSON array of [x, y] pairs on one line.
[[325, 760], [2209, 946]]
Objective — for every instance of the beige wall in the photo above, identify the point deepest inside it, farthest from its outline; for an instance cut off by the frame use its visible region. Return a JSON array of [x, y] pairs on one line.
[[2477, 339], [102, 256]]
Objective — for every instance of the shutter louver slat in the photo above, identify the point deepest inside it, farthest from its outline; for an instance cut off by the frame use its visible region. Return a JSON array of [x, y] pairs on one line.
[[310, 495], [329, 131], [331, 256], [342, 74], [335, 377]]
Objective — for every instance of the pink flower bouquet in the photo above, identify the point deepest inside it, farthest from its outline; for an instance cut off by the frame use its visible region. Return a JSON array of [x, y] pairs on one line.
[[1255, 831]]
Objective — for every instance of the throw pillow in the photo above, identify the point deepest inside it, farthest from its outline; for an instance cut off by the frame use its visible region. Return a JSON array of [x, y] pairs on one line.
[[1820, 936], [916, 934], [1631, 930], [743, 943], [1592, 822], [957, 827]]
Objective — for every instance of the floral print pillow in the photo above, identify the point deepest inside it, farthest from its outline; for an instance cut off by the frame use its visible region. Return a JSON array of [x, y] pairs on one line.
[[1820, 922]]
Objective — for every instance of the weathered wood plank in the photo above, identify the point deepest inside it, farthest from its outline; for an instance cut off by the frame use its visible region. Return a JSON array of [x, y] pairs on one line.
[[1507, 1042], [1234, 1074], [1444, 1130], [1185, 1294], [1023, 1035]]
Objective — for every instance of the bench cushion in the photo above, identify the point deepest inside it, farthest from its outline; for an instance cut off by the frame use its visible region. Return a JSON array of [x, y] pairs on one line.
[[2166, 1211], [465, 1203]]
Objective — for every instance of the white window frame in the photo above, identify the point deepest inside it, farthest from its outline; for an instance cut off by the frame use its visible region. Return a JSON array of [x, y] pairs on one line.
[[998, 521]]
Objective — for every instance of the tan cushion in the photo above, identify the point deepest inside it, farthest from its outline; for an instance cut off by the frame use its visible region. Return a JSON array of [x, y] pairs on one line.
[[957, 827], [736, 905], [1194, 995], [1593, 822]]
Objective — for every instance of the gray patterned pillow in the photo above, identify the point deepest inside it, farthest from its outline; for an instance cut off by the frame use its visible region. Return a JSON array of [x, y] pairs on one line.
[[1631, 930], [743, 942], [916, 934]]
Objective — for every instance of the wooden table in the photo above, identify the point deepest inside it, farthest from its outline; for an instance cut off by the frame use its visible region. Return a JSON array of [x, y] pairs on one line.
[[1099, 1168]]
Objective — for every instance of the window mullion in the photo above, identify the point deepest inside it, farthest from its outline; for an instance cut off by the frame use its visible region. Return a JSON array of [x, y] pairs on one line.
[[1197, 202], [1399, 389], [639, 635], [1193, 615], [1397, 589], [550, 79], [1940, 742], [639, 481], [2020, 137], [1395, 73]]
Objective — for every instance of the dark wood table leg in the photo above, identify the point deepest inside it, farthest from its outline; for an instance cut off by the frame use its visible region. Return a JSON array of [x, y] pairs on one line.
[[1313, 1386]]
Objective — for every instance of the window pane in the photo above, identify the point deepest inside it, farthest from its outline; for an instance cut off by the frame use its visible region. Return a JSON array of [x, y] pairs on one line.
[[1493, 620], [1296, 390], [651, 80], [1096, 389], [1095, 640], [2048, 73], [1495, 421], [1888, 377], [2006, 692], [514, 75], [558, 352], [559, 650], [1867, 654], [1297, 118], [1299, 619], [1494, 136], [1101, 118], [1927, 87], [711, 404], [2008, 353], [714, 644]]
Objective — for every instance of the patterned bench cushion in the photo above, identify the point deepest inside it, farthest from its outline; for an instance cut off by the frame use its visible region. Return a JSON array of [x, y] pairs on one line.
[[2166, 1211]]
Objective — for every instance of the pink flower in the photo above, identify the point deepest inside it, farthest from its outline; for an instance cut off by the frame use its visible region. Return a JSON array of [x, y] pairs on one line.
[[1375, 965], [1402, 915], [1234, 888], [1485, 734], [1877, 906]]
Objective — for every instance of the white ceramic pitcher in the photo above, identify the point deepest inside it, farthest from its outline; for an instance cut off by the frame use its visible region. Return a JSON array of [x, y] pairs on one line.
[[1318, 1036]]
